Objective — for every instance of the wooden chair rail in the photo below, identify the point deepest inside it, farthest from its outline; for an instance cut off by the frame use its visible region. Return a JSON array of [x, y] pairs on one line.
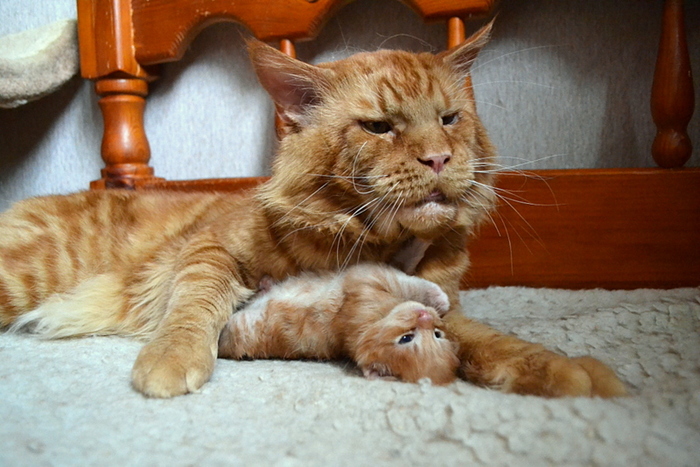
[[619, 229], [574, 229]]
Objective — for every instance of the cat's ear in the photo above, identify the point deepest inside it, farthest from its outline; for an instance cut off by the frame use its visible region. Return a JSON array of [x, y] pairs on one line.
[[462, 57], [293, 85]]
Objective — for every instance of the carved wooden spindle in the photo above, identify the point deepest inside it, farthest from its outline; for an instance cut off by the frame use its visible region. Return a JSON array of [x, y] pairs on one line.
[[125, 148], [287, 47], [455, 32], [672, 98]]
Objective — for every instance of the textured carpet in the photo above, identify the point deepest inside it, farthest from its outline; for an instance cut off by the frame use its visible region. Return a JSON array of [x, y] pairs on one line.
[[70, 403]]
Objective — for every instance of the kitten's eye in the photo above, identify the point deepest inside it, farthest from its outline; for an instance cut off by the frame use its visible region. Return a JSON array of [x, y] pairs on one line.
[[450, 119], [439, 334], [376, 128], [405, 339]]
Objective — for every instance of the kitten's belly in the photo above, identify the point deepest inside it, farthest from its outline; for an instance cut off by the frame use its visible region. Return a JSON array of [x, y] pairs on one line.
[[293, 320]]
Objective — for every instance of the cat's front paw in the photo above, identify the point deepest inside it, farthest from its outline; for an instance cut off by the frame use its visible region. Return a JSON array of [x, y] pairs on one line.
[[551, 375], [168, 368]]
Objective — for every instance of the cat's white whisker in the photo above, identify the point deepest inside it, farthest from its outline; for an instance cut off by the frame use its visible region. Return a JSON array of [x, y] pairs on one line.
[[531, 230], [514, 197], [533, 83], [337, 239], [501, 168], [480, 64], [480, 101], [427, 44], [300, 203], [353, 169]]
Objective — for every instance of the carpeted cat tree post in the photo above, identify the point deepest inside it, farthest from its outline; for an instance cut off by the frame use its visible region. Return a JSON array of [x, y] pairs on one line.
[[37, 62]]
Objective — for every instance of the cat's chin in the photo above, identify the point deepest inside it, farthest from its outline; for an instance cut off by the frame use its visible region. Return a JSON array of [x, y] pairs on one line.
[[426, 217]]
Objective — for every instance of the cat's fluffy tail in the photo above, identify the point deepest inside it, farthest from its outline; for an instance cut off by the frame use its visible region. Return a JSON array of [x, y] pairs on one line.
[[93, 307]]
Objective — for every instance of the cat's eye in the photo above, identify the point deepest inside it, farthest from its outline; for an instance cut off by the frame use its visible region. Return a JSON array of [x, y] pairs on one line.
[[376, 127], [450, 119], [439, 334], [406, 338]]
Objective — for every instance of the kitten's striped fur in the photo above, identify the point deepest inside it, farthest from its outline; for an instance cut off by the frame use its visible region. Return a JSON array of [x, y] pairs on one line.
[[386, 321], [379, 149]]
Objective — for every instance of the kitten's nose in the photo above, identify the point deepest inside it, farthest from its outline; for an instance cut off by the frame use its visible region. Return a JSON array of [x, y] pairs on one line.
[[425, 319], [437, 163]]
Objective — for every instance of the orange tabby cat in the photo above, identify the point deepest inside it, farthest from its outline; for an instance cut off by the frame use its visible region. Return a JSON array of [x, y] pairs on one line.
[[386, 321], [379, 149]]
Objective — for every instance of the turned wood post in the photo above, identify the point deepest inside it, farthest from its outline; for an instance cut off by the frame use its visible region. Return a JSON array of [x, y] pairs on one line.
[[107, 56], [455, 32], [672, 97], [125, 148]]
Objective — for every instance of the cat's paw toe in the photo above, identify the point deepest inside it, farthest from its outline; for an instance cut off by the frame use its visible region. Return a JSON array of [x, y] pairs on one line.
[[168, 370]]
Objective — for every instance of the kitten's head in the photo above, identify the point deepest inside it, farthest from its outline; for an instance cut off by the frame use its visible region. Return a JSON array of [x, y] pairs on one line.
[[408, 344], [389, 139]]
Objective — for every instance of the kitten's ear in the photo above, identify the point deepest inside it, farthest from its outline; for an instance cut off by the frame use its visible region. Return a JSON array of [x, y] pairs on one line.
[[377, 371], [293, 85], [463, 56]]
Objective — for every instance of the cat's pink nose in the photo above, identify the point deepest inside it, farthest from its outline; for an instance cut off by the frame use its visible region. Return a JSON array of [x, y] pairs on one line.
[[425, 319], [437, 163]]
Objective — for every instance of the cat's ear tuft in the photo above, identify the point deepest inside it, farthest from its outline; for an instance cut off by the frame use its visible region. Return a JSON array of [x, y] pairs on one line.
[[463, 56], [292, 84]]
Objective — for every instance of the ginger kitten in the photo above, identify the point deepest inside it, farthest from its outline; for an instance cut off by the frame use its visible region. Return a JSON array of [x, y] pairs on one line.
[[389, 323]]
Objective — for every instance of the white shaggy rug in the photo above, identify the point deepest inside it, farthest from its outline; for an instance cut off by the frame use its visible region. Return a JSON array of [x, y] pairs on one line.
[[70, 403]]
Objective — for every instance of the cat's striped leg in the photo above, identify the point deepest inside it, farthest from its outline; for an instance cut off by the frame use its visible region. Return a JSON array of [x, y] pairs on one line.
[[490, 358], [207, 285]]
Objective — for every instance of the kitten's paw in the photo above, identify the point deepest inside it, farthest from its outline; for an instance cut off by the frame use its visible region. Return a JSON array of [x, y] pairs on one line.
[[165, 368], [435, 297], [550, 375]]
